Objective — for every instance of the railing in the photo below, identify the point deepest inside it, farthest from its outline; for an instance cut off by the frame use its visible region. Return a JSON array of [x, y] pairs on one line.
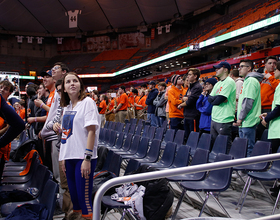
[[174, 172]]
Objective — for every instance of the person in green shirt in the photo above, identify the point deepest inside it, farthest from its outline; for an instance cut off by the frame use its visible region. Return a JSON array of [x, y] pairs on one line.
[[249, 104], [223, 99], [273, 117]]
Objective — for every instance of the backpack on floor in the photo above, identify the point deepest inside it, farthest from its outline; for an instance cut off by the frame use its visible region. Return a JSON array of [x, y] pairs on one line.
[[158, 196]]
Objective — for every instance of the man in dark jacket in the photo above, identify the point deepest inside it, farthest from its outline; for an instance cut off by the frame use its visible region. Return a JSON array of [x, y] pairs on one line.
[[189, 102], [160, 103], [149, 102]]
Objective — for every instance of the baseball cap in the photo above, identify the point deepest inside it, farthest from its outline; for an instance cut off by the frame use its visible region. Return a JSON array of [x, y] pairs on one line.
[[212, 81], [46, 73], [152, 83], [223, 64]]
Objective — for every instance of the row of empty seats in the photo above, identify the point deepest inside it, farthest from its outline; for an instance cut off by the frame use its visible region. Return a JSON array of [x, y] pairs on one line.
[[143, 150]]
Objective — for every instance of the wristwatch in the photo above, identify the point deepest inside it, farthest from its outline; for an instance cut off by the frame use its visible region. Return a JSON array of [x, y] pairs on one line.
[[87, 157]]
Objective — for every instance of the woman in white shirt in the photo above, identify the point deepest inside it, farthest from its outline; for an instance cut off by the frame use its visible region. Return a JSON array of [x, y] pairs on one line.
[[80, 132]]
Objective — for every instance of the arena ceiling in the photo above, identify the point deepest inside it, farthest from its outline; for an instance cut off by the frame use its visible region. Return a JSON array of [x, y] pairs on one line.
[[50, 16]]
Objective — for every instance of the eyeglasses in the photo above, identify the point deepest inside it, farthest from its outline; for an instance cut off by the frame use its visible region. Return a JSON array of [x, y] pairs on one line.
[[55, 68], [241, 66]]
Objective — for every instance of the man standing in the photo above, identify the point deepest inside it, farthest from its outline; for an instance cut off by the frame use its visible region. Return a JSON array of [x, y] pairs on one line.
[[234, 74], [121, 109], [175, 98], [51, 138], [160, 103], [189, 102], [149, 102], [249, 105], [268, 86], [223, 100]]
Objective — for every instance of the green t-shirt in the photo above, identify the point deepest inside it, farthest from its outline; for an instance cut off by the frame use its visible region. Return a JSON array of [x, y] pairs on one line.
[[274, 126], [224, 112], [251, 89]]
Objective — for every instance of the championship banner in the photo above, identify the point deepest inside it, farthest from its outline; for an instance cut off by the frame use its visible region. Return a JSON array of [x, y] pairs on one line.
[[153, 30], [148, 42], [98, 44], [131, 40], [69, 44]]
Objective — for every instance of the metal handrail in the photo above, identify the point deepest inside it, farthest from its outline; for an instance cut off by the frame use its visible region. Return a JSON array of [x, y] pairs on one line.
[[174, 172]]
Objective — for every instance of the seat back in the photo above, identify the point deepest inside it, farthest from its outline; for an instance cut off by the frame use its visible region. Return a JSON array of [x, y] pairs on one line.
[[132, 128], [115, 164], [106, 124], [146, 131], [179, 137], [102, 134], [222, 177], [239, 148], [40, 177], [110, 124], [193, 140], [127, 142], [159, 133], [169, 135], [112, 138], [143, 147], [164, 126], [204, 141], [119, 142], [131, 166], [106, 136], [151, 132], [154, 151], [141, 122], [134, 145], [182, 157], [220, 146], [265, 135], [48, 197], [113, 126], [107, 162], [168, 154], [126, 129], [200, 157], [139, 129], [119, 127], [133, 121], [261, 148]]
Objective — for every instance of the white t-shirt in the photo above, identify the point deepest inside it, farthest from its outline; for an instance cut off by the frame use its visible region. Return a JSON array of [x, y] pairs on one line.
[[74, 131]]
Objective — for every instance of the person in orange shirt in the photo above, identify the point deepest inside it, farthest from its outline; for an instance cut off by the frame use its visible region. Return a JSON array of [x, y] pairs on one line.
[[109, 115], [22, 109], [268, 86], [175, 97], [121, 109], [102, 108], [131, 100], [140, 104]]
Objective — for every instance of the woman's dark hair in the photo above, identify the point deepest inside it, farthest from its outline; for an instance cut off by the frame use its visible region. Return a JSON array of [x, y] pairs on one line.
[[65, 100]]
